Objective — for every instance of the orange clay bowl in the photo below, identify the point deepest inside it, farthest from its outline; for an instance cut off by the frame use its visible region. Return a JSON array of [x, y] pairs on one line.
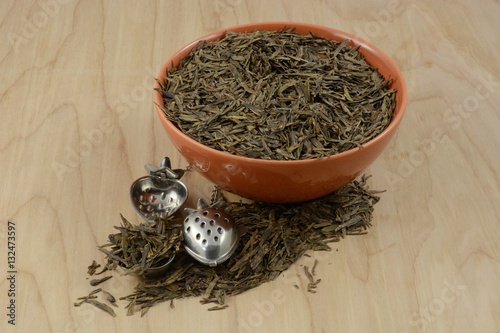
[[286, 181]]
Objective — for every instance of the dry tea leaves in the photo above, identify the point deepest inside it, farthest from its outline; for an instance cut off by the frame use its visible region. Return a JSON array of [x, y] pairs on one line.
[[91, 299], [311, 286], [101, 306], [137, 248], [89, 296], [131, 308], [218, 307], [313, 270], [96, 282], [277, 236], [278, 95], [92, 268], [110, 298]]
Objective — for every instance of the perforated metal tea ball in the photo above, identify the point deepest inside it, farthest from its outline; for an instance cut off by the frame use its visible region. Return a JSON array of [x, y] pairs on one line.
[[210, 234]]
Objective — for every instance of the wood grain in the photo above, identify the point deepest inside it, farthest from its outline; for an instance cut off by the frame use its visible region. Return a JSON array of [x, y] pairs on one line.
[[78, 124]]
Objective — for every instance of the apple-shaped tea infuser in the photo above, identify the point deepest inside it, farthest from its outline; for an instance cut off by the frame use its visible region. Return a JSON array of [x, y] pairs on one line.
[[210, 234], [161, 193]]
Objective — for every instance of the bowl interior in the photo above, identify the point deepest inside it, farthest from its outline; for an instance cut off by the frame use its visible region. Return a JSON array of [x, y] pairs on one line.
[[375, 57]]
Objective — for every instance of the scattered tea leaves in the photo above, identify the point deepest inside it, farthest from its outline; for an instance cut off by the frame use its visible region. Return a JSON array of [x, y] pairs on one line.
[[101, 306], [218, 307], [313, 270], [311, 286], [110, 298], [131, 308], [139, 248], [96, 282], [277, 235], [89, 296], [92, 268], [91, 299]]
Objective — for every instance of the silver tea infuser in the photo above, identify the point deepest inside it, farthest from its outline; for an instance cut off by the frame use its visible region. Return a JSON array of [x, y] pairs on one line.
[[210, 234], [159, 194]]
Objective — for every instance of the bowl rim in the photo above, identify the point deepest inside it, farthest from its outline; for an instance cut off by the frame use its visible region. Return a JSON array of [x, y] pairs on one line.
[[394, 123]]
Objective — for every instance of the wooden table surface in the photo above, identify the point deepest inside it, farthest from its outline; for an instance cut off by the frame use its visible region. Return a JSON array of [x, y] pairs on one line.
[[78, 125]]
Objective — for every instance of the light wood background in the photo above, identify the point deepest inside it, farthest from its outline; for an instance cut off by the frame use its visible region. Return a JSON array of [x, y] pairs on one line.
[[78, 124]]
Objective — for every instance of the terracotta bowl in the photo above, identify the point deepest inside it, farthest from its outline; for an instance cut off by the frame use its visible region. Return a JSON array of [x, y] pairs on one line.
[[285, 181]]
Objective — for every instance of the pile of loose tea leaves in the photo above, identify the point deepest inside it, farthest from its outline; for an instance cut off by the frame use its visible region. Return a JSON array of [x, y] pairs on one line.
[[277, 235], [139, 248], [277, 95]]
